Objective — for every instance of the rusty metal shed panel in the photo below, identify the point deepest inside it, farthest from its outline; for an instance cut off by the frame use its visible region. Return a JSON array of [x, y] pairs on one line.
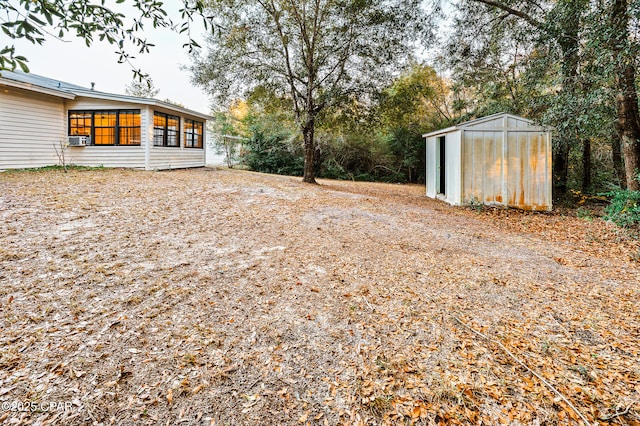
[[500, 160]]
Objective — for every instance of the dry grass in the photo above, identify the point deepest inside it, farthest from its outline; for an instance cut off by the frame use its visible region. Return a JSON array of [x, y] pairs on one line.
[[225, 297]]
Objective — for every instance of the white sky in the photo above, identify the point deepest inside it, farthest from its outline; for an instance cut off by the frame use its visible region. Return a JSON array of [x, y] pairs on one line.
[[71, 61]]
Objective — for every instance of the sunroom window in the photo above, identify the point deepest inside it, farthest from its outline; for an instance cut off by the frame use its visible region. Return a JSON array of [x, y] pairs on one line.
[[166, 130], [193, 134], [108, 127]]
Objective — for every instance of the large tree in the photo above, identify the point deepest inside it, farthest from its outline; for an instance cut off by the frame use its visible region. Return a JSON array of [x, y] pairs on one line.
[[561, 24], [316, 52]]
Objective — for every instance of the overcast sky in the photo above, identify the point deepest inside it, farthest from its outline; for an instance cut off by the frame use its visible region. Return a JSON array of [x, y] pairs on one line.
[[71, 61]]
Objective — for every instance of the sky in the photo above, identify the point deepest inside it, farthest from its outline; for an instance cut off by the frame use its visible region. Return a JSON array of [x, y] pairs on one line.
[[71, 61]]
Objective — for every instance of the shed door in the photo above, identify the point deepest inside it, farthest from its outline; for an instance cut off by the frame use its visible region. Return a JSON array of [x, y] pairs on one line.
[[441, 165]]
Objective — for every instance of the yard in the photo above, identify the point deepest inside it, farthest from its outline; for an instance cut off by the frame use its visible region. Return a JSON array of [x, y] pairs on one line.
[[221, 297]]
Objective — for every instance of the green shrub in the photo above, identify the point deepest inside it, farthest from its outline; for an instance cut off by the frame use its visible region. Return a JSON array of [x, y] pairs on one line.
[[624, 209], [274, 153]]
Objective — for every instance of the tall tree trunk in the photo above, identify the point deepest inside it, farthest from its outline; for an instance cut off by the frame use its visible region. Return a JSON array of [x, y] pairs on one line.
[[308, 129], [568, 139], [586, 165], [560, 168], [618, 163], [628, 124]]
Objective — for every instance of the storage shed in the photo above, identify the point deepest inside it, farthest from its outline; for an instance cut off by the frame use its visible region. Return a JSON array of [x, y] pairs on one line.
[[501, 159]]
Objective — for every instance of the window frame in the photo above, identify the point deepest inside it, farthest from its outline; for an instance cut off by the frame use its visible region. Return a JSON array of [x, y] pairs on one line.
[[164, 132], [193, 139], [90, 116]]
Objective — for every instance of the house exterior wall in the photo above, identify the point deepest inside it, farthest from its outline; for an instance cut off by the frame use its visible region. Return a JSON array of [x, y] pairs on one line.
[[173, 157], [107, 156], [31, 126], [146, 155]]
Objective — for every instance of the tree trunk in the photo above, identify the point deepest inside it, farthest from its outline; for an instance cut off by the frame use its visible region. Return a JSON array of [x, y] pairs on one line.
[[568, 40], [309, 151], [560, 168], [628, 124], [618, 163], [586, 165]]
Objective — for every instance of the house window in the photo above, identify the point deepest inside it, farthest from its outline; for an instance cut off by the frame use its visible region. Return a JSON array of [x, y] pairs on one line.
[[104, 127], [111, 127], [80, 123], [129, 127], [166, 130], [193, 134]]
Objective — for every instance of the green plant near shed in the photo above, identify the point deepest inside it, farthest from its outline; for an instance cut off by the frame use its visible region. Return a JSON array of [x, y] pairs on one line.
[[624, 209]]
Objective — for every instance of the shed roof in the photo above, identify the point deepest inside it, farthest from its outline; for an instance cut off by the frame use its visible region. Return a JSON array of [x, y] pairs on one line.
[[479, 122], [49, 86]]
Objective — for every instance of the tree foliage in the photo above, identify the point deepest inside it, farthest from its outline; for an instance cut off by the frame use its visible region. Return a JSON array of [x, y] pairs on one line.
[[317, 53], [567, 64], [375, 140]]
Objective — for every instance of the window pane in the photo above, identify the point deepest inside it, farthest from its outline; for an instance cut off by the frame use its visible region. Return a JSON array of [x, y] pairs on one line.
[[158, 136], [130, 136], [105, 119], [193, 134], [80, 123], [105, 136], [129, 119], [159, 120], [173, 122], [172, 138]]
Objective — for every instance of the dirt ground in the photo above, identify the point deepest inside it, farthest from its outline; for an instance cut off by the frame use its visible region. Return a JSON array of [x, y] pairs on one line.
[[221, 297]]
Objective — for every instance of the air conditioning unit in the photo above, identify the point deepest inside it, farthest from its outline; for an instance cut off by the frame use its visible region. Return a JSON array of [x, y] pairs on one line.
[[79, 140]]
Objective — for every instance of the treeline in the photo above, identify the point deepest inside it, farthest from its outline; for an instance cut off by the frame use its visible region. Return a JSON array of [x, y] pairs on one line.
[[566, 64], [375, 139]]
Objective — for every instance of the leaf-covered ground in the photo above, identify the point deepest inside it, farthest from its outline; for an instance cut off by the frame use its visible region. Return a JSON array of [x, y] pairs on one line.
[[218, 297]]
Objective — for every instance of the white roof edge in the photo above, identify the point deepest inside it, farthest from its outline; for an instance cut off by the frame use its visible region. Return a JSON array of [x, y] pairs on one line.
[[464, 125], [34, 88], [144, 101], [441, 131]]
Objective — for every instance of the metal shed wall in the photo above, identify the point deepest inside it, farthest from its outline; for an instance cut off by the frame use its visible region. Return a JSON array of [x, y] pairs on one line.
[[510, 168], [501, 159]]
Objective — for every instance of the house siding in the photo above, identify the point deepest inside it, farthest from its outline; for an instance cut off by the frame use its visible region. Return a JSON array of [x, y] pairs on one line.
[[176, 158], [34, 118], [31, 127], [108, 156]]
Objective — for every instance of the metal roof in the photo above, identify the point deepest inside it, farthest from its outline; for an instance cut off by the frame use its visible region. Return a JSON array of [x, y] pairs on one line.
[[476, 121], [62, 89]]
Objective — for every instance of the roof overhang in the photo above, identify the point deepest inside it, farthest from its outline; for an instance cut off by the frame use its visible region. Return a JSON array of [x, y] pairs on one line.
[[38, 89], [141, 101], [441, 131]]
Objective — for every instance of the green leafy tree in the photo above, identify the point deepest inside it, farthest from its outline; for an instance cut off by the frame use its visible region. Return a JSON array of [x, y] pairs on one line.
[[566, 30], [317, 53], [418, 101]]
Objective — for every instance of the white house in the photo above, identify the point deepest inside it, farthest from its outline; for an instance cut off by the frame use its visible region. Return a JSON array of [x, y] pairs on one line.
[[38, 115], [501, 159]]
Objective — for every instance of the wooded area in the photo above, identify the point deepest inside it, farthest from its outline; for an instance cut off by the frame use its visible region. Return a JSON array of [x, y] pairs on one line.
[[569, 65]]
